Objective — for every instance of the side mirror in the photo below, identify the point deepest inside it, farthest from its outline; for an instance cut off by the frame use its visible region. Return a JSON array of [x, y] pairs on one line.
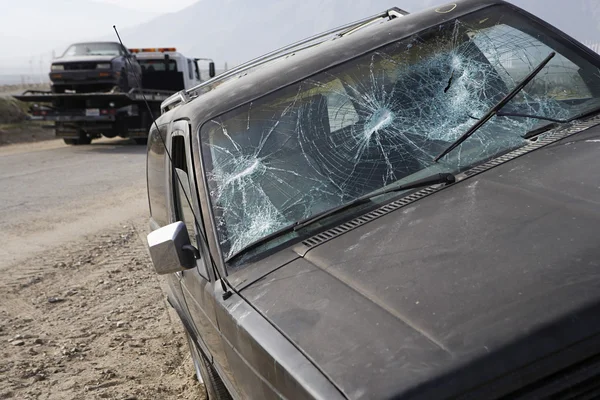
[[211, 69], [171, 250]]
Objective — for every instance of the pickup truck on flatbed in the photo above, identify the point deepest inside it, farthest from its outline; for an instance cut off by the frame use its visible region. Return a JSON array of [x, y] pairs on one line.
[[79, 117]]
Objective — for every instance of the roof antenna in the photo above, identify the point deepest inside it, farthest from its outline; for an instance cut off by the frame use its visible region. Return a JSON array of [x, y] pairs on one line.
[[226, 292]]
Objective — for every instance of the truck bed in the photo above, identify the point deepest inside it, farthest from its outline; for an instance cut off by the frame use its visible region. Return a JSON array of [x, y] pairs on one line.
[[40, 96], [80, 117]]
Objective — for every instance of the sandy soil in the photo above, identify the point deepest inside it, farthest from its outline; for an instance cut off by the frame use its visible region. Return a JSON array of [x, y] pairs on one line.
[[24, 133], [90, 321], [82, 313]]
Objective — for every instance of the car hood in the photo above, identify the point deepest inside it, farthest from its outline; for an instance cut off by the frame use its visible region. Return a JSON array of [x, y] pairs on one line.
[[484, 278], [64, 60]]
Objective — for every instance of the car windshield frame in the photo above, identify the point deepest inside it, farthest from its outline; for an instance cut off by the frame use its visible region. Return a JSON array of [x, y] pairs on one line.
[[158, 64], [75, 49], [241, 157]]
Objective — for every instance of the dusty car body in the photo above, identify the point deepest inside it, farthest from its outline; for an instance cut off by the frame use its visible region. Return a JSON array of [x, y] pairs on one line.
[[485, 286], [94, 67]]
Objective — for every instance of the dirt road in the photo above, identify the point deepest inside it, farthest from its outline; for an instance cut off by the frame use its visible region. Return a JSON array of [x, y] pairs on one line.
[[82, 315]]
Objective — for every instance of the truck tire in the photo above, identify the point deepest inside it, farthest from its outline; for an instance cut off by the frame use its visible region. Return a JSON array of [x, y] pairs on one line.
[[214, 389], [57, 89], [83, 139]]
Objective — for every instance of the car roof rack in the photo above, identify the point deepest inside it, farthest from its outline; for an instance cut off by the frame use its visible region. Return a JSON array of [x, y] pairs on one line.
[[186, 95]]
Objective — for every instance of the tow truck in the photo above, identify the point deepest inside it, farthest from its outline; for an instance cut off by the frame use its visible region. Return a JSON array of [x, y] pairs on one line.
[[78, 118]]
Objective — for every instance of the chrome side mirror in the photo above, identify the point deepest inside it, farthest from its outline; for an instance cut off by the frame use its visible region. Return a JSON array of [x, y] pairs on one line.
[[171, 250]]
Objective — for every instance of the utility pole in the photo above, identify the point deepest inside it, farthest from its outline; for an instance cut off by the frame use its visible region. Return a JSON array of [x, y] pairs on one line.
[[31, 73], [41, 69]]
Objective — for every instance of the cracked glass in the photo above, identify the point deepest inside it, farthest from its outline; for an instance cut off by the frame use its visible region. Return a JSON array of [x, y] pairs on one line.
[[382, 118]]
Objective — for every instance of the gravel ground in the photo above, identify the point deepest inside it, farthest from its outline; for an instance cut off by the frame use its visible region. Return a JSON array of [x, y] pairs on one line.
[[89, 321]]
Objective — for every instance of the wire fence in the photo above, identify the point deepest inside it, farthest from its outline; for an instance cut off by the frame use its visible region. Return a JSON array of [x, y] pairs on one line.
[[7, 90]]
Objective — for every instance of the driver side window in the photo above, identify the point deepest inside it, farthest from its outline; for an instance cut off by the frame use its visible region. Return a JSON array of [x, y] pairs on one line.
[[181, 188], [183, 198]]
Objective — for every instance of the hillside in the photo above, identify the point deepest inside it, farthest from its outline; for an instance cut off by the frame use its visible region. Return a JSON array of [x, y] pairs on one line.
[[229, 31], [237, 30], [234, 31]]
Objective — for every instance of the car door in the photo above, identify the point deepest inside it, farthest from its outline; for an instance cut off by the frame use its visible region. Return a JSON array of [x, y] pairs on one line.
[[198, 284]]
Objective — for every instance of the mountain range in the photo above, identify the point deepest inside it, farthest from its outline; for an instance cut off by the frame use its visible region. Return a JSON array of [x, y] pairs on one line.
[[228, 31], [234, 31]]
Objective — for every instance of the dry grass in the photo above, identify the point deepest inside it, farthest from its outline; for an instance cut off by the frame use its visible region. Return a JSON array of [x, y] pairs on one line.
[[12, 111], [14, 126]]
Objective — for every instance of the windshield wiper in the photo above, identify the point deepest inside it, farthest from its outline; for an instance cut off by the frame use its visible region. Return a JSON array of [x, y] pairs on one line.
[[555, 123], [494, 110], [519, 115], [538, 131], [427, 181]]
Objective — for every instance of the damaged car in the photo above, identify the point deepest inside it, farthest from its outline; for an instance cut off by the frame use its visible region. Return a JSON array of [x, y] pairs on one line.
[[407, 207], [94, 67]]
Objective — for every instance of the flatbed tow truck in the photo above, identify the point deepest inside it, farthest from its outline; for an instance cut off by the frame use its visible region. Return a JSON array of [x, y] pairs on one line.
[[78, 118]]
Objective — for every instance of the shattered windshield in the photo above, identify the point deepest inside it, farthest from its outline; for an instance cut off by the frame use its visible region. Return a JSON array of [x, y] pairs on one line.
[[382, 118]]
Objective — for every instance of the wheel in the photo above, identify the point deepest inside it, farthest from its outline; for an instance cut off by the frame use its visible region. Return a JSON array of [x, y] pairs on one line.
[[83, 139], [214, 388], [142, 141]]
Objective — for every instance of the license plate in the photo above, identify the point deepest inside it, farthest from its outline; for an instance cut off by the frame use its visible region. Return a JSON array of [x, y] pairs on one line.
[[92, 112]]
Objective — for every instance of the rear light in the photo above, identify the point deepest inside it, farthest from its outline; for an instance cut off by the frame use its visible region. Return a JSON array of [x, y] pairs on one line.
[[153, 50]]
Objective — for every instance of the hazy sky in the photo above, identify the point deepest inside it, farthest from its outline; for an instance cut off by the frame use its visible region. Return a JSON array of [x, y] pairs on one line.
[[32, 30], [35, 28], [159, 6]]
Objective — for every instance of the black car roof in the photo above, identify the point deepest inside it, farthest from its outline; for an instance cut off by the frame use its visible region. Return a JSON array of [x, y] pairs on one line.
[[92, 42], [298, 66]]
